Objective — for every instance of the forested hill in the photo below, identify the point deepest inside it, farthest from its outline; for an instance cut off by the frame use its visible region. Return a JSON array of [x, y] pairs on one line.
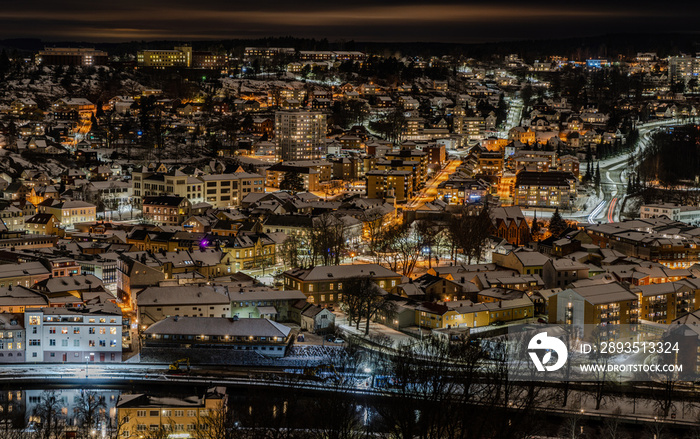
[[610, 46]]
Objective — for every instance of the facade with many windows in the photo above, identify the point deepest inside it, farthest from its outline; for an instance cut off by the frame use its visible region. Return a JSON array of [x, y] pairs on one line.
[[300, 135], [545, 189], [74, 335], [324, 284], [143, 415], [11, 338], [225, 190]]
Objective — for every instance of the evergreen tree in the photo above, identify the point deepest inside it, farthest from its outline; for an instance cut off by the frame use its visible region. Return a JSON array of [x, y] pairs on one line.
[[557, 225], [630, 187], [587, 177], [597, 175], [535, 229], [4, 63], [293, 182]]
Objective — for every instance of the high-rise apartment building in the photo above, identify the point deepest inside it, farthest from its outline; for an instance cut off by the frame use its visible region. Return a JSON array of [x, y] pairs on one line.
[[683, 68], [300, 135]]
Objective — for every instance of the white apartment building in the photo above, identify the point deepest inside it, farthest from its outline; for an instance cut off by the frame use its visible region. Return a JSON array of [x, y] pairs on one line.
[[74, 335], [300, 135], [686, 214]]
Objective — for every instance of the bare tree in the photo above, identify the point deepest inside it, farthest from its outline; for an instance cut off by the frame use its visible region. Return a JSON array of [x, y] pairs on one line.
[[602, 385], [469, 232], [115, 426], [403, 248], [353, 298], [429, 234], [572, 427], [612, 426], [90, 411], [48, 412], [341, 419], [327, 239], [111, 202], [289, 251], [217, 423], [373, 233]]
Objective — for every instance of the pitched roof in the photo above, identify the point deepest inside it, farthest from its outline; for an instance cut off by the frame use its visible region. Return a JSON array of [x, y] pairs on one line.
[[165, 200], [341, 272], [604, 293], [39, 218], [220, 326], [182, 295]]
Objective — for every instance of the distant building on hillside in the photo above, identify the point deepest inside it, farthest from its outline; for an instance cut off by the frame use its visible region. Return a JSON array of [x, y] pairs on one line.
[[69, 56], [160, 59]]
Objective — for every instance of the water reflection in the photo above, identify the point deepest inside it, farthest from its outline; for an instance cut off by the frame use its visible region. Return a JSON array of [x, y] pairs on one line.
[[68, 408], [188, 412]]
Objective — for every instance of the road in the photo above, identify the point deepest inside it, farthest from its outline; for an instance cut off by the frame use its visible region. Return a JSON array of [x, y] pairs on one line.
[[614, 177], [429, 192], [515, 112], [84, 127]]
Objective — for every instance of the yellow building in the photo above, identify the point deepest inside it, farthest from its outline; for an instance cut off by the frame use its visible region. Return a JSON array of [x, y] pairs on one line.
[[411, 155], [665, 302], [312, 173], [324, 284], [41, 224], [528, 137], [494, 144], [178, 57], [144, 415], [466, 314], [489, 163], [166, 210], [545, 189], [225, 190], [247, 251], [608, 304], [70, 212], [397, 185], [219, 190]]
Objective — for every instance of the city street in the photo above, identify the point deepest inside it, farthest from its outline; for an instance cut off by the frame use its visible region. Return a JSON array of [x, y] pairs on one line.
[[613, 177], [429, 192]]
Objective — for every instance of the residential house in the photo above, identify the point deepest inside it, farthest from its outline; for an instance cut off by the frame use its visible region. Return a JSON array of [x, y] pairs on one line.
[[323, 285]]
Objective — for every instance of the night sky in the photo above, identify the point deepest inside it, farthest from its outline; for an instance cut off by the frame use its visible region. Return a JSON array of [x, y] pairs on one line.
[[360, 20]]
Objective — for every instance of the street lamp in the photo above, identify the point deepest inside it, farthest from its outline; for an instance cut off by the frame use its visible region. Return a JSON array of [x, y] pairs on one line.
[[87, 365]]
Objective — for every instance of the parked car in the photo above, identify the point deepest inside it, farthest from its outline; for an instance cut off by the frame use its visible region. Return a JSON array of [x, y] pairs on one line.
[[498, 323], [541, 320]]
